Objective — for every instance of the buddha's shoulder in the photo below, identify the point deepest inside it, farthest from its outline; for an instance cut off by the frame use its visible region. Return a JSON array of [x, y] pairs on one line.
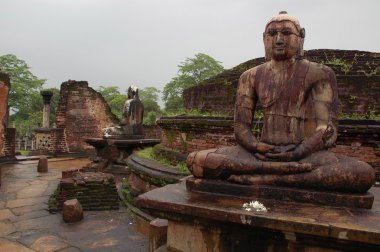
[[253, 71], [318, 69]]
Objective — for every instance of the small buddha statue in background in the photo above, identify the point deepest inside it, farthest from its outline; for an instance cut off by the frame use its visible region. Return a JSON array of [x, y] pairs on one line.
[[130, 125]]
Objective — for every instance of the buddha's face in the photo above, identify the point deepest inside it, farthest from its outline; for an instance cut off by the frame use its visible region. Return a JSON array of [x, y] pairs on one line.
[[281, 40]]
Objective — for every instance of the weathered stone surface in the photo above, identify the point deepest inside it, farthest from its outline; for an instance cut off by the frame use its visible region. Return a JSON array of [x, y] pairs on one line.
[[6, 214], [29, 208], [285, 222], [36, 191], [42, 165], [72, 211], [49, 243], [6, 227], [157, 233], [47, 222], [214, 187], [25, 202], [6, 245]]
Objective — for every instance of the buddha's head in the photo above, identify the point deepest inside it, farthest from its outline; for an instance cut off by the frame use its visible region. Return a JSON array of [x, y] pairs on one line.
[[283, 37], [133, 92]]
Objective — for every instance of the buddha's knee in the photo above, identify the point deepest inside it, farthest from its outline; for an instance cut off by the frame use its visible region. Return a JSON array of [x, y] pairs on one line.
[[360, 174], [196, 162]]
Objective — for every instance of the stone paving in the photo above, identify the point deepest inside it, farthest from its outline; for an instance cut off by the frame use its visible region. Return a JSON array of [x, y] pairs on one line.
[[26, 225]]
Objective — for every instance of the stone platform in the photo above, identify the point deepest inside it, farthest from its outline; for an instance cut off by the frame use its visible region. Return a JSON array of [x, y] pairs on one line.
[[216, 222], [147, 174], [281, 193], [118, 150]]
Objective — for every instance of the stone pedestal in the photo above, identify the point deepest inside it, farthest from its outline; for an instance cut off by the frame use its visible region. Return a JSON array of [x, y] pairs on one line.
[[116, 151], [214, 186], [42, 165], [44, 139], [146, 175], [157, 233], [216, 222]]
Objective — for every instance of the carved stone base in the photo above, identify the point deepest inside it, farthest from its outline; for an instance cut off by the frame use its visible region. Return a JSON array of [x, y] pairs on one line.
[[218, 222], [281, 193]]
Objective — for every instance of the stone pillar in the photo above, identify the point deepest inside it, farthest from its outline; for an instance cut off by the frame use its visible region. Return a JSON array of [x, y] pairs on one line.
[[46, 95]]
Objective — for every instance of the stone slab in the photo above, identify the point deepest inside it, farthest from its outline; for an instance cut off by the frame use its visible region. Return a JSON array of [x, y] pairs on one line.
[[101, 142], [6, 228], [334, 224], [6, 214], [281, 193], [49, 243], [6, 245], [26, 202]]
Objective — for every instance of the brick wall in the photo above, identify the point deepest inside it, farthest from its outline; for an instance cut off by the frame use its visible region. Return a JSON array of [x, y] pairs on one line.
[[59, 140], [358, 77], [10, 143], [4, 91], [152, 131], [82, 113], [187, 134]]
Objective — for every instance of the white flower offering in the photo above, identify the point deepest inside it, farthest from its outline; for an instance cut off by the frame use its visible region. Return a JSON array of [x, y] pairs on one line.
[[254, 206]]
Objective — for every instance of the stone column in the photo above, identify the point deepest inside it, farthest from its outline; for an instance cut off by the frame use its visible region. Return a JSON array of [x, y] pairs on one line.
[[46, 95]]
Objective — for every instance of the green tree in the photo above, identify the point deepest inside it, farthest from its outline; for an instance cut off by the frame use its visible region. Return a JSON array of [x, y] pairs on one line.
[[149, 97], [24, 85], [114, 99], [191, 72], [25, 100]]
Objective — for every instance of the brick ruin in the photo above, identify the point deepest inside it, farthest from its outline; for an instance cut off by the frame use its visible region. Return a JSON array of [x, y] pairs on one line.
[[82, 113], [357, 72], [4, 91], [94, 190], [7, 135]]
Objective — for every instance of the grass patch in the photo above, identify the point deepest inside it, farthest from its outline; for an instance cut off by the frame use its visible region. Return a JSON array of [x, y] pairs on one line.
[[371, 115], [195, 112], [149, 153], [24, 152]]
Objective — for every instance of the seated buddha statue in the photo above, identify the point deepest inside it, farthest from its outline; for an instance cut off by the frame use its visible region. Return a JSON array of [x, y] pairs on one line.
[[130, 125], [300, 102]]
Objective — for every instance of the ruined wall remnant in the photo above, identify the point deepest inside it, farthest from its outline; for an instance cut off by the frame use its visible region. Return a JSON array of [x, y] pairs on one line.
[[4, 92], [82, 113], [358, 77]]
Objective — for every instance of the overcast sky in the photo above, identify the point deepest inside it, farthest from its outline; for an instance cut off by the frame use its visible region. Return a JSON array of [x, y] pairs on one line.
[[141, 42]]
